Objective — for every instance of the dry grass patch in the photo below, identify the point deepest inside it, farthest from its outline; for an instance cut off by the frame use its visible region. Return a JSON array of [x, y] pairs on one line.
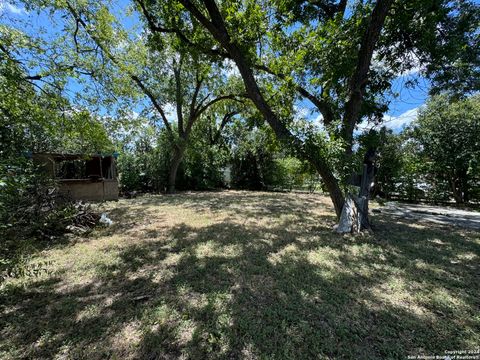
[[245, 275]]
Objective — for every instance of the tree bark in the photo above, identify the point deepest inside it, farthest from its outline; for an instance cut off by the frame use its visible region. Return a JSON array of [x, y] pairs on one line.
[[458, 190], [350, 218], [174, 164], [354, 216], [358, 81]]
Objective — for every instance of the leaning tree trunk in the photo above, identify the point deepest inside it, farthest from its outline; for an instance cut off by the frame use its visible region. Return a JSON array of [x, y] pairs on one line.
[[457, 191], [354, 216], [174, 164]]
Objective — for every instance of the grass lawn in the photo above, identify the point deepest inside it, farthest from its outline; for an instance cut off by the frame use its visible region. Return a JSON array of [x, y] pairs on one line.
[[245, 275]]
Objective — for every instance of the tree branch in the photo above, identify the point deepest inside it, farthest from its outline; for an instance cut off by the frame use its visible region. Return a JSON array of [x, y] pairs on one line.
[[342, 6], [178, 95], [359, 79], [192, 116], [132, 76], [155, 28], [226, 118], [201, 109], [330, 10], [322, 106]]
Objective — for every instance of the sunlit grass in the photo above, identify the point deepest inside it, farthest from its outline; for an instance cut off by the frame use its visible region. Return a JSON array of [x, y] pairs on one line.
[[245, 275]]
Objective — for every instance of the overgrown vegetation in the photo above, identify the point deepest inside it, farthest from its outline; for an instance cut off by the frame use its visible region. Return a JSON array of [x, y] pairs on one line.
[[32, 214], [251, 95], [435, 159], [241, 158], [31, 209]]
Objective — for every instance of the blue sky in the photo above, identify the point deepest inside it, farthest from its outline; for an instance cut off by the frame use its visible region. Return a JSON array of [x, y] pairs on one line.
[[402, 109]]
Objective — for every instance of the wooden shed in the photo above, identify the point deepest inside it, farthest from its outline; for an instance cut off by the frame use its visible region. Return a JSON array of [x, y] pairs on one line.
[[82, 177]]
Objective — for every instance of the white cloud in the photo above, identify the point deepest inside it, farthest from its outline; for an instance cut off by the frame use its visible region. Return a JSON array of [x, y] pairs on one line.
[[7, 7], [230, 68], [395, 123], [300, 113], [170, 112], [412, 59], [131, 115], [318, 121], [399, 122], [409, 58], [412, 71]]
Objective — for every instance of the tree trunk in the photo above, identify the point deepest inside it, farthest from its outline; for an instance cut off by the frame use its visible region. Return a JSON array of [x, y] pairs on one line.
[[354, 216], [331, 183], [351, 216], [464, 187], [457, 191], [174, 164], [216, 26]]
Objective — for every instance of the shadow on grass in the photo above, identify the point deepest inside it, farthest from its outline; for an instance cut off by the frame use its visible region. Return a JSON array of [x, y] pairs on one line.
[[245, 203], [231, 290]]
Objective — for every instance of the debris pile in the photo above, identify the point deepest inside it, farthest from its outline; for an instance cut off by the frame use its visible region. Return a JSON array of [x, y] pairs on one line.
[[85, 219]]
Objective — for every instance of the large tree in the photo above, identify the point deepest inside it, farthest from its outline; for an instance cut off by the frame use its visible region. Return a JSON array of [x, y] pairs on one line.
[[341, 56], [149, 72], [449, 134]]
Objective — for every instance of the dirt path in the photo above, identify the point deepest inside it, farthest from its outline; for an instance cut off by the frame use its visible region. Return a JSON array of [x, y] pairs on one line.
[[436, 214]]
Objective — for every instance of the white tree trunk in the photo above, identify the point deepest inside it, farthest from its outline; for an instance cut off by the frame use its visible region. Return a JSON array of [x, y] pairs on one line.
[[354, 216], [350, 219]]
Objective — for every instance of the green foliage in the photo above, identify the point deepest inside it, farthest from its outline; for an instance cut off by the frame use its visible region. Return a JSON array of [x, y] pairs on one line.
[[412, 173], [145, 166], [30, 210], [81, 132], [204, 162], [449, 132], [390, 160], [258, 162], [436, 159], [35, 118], [292, 173], [401, 170], [440, 38], [252, 156]]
